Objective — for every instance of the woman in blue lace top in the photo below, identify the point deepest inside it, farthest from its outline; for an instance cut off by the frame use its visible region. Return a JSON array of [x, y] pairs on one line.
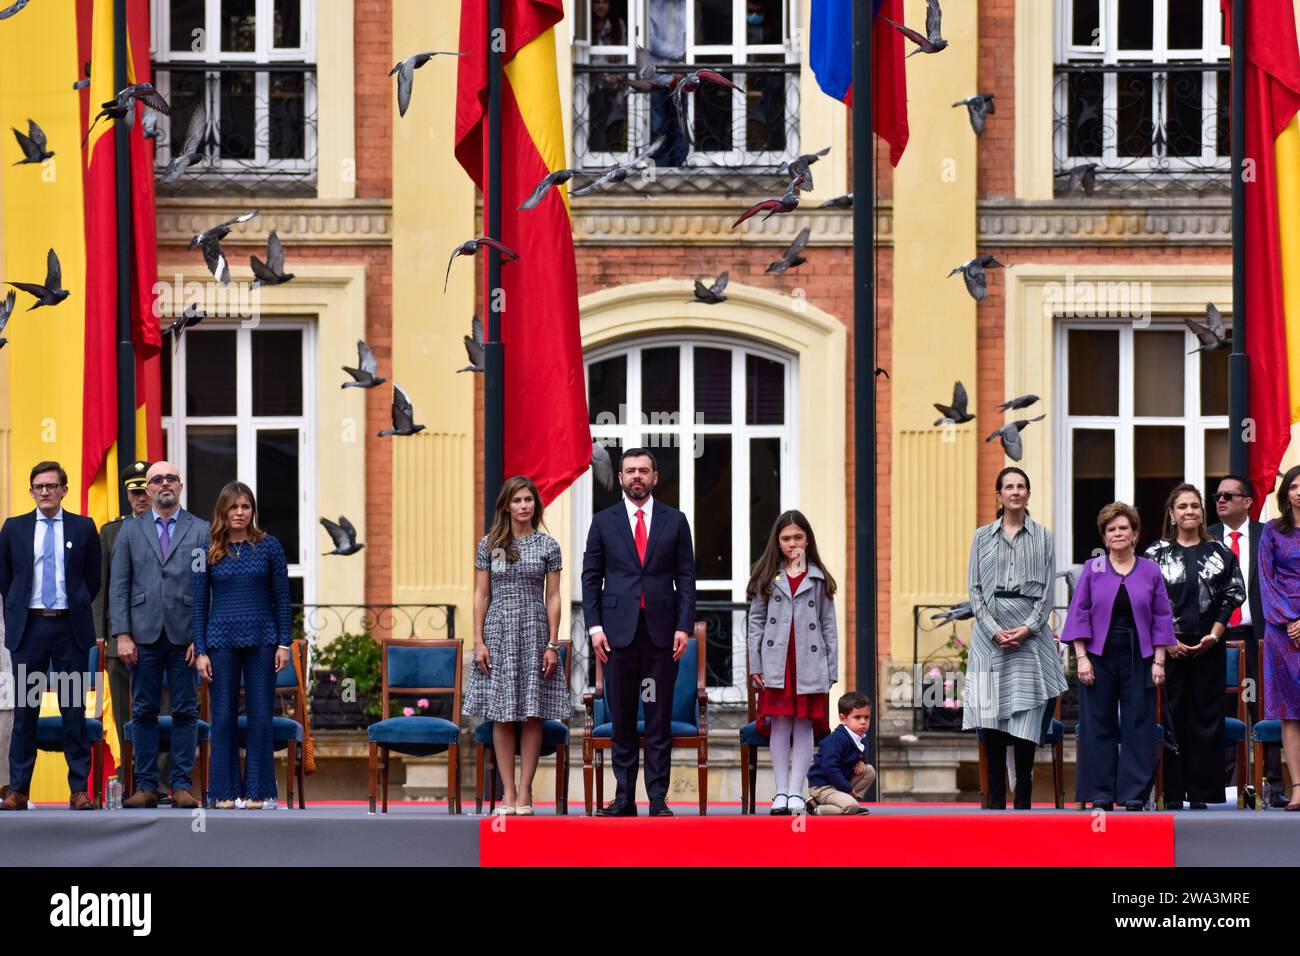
[[242, 629]]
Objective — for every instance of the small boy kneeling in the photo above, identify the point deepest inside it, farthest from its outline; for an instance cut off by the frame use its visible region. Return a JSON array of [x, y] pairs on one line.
[[839, 777]]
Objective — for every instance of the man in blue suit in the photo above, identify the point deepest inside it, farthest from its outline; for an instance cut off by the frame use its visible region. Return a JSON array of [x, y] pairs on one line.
[[638, 599], [49, 575]]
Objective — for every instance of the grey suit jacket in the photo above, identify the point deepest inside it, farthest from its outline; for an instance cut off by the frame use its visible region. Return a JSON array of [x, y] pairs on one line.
[[148, 594]]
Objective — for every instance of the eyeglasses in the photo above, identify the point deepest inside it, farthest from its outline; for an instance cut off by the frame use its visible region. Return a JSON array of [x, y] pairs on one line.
[[159, 479], [1226, 495], [42, 488]]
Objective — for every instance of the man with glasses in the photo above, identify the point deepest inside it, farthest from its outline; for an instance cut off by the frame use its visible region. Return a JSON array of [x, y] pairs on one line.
[[150, 599], [1233, 501], [49, 575]]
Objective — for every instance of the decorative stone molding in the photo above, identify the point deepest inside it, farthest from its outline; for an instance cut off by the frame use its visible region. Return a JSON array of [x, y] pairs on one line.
[[301, 221], [1092, 222]]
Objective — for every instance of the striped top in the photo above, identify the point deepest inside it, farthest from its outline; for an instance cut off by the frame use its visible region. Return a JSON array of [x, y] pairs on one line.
[[1025, 565]]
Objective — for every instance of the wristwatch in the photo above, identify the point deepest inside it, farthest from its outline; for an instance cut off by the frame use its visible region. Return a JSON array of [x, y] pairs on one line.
[[553, 647]]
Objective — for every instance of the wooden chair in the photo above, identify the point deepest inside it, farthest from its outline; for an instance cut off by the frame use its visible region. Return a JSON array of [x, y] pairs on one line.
[[1266, 730], [1236, 730], [203, 733], [49, 730], [1056, 738], [415, 666], [555, 739], [751, 741], [690, 719]]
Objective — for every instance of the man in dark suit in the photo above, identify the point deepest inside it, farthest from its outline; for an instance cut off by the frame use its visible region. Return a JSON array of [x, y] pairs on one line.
[[638, 599], [1233, 501], [49, 576]]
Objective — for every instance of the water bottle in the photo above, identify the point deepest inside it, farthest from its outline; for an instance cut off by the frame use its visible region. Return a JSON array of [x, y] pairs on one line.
[[114, 800], [1266, 794]]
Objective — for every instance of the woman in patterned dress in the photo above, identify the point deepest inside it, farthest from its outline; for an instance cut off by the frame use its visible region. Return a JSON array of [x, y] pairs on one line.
[[517, 676], [1279, 587], [1013, 670]]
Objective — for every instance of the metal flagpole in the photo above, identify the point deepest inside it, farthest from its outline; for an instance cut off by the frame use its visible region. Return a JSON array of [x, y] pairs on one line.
[[1238, 370], [126, 447], [493, 350]]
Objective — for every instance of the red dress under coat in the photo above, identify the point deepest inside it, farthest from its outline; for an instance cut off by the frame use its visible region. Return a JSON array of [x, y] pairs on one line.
[[784, 701]]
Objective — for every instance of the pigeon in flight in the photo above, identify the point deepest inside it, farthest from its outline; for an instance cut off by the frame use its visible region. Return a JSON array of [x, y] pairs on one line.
[[1010, 435], [956, 413], [1020, 401], [542, 188], [52, 292], [405, 71], [189, 154], [403, 416], [973, 273], [474, 346], [978, 107], [13, 8], [958, 612], [800, 167], [84, 82], [191, 316], [791, 258], [122, 106], [471, 246], [270, 272], [933, 41], [711, 294], [1213, 334], [602, 468], [838, 202], [786, 203], [344, 535], [364, 376], [689, 84], [647, 77], [619, 171], [209, 240], [33, 144], [149, 124], [6, 310], [1084, 174]]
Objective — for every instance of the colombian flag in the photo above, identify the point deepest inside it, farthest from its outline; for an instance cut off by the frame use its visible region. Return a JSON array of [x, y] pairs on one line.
[[547, 433]]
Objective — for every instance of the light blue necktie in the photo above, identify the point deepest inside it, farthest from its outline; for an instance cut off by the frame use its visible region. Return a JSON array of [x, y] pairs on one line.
[[48, 589]]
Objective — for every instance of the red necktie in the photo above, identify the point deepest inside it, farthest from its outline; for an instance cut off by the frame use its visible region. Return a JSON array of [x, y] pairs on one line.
[[640, 542], [1235, 620]]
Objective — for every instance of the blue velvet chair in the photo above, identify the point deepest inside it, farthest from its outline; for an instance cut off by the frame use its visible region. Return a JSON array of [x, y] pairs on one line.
[[49, 730], [1055, 739], [414, 666], [690, 721], [287, 733], [751, 741], [555, 740], [204, 734], [1266, 730], [1236, 729]]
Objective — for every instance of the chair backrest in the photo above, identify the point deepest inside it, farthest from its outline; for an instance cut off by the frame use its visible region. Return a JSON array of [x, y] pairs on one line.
[[419, 666], [1235, 682], [691, 679]]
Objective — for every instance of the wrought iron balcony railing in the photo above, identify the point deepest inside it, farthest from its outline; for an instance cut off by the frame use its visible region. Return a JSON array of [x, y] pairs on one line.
[[1147, 127], [736, 141], [261, 134], [380, 620]]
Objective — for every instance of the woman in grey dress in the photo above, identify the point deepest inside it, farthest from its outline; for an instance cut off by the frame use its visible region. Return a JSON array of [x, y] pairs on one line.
[[517, 676], [1013, 673]]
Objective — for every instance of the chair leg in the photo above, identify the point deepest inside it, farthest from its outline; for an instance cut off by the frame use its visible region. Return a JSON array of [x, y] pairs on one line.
[[1258, 775], [453, 779], [703, 771], [128, 764], [302, 784], [99, 773], [586, 774], [561, 772], [984, 775], [374, 750], [1058, 773], [744, 779], [600, 778], [753, 779], [290, 757]]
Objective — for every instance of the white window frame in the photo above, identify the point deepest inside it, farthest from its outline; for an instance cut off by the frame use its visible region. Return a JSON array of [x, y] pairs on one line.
[[1104, 52], [247, 425], [264, 53], [629, 431], [1194, 423]]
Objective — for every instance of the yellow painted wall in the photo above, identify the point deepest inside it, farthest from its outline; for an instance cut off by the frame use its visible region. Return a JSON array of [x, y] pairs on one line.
[[336, 169]]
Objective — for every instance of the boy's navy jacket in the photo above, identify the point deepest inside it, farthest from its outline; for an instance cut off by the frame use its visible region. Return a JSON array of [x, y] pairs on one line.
[[836, 758]]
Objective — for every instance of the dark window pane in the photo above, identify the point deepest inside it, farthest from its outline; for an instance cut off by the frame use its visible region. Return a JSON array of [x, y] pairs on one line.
[[1093, 477], [1135, 130], [606, 112], [277, 372], [278, 482], [210, 372], [1157, 467], [1094, 372], [1214, 381], [1223, 145], [713, 386], [608, 23], [295, 590], [1136, 24], [188, 90], [607, 391], [1185, 21], [239, 26], [764, 492], [166, 363], [211, 460], [661, 386], [713, 608], [167, 443], [287, 133], [1085, 131], [768, 30], [236, 131], [1084, 31], [711, 127], [1216, 461], [187, 16], [712, 525], [765, 108], [600, 498], [1185, 116], [713, 21], [1159, 368], [668, 458], [764, 391], [288, 23]]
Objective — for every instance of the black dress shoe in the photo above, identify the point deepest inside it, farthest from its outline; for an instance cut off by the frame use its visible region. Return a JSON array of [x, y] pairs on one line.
[[1103, 805], [617, 808], [1135, 806], [659, 808], [1278, 801], [1197, 805], [1173, 804]]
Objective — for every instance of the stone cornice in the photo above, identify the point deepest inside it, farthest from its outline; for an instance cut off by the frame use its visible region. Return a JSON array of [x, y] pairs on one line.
[[301, 221]]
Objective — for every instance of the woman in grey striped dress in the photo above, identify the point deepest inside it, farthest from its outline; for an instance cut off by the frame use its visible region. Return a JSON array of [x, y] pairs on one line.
[[1013, 673]]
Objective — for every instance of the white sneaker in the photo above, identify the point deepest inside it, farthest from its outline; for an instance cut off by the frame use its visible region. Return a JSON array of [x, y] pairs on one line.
[[796, 804], [239, 803], [780, 805]]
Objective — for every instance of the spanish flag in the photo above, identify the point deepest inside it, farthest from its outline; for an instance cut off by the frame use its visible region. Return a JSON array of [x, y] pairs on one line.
[[547, 431], [1272, 233]]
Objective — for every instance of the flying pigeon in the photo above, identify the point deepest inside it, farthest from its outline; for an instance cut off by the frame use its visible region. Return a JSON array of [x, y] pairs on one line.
[[270, 272], [800, 167], [973, 273], [602, 468], [344, 535], [471, 246], [474, 346], [33, 144], [364, 375], [542, 188], [85, 82], [52, 292], [405, 71], [956, 413], [619, 171], [189, 153], [209, 240], [191, 316], [647, 77], [838, 202], [689, 84], [122, 106], [933, 41], [149, 127], [958, 612], [711, 294], [791, 259], [6, 310], [1213, 334], [13, 8], [1020, 401], [786, 203], [1084, 174], [978, 107], [1010, 435], [403, 416]]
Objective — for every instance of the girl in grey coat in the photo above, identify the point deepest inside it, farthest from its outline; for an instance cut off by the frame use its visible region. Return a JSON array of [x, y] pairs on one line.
[[793, 652]]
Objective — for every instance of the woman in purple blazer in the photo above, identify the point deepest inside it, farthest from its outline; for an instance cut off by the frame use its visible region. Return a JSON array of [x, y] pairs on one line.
[[1120, 623]]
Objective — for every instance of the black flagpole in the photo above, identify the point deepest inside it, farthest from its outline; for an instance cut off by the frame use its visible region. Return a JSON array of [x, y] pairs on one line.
[[493, 350], [1238, 370], [864, 372], [126, 448]]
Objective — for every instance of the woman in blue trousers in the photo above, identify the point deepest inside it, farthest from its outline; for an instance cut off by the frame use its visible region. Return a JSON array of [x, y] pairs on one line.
[[241, 630]]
